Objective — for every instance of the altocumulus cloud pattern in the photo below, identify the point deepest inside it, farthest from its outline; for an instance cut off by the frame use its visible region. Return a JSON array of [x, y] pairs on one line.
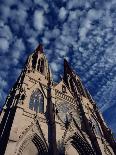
[[83, 31]]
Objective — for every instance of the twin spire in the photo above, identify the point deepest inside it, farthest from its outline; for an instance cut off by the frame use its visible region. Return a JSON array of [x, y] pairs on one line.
[[39, 50]]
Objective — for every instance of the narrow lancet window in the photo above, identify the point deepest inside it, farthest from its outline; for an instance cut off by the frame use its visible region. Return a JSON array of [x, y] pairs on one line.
[[34, 60], [40, 66]]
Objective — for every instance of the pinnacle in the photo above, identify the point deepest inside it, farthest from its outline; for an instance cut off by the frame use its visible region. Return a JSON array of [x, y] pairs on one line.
[[66, 63], [39, 49]]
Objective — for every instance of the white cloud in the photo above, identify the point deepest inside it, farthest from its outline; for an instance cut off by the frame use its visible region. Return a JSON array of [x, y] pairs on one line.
[[5, 12], [4, 45], [62, 13], [33, 42], [45, 41], [82, 33], [10, 2], [18, 45], [3, 74], [48, 34], [5, 31], [18, 16], [74, 4], [43, 4], [6, 63], [74, 15], [39, 20], [29, 32], [55, 77], [55, 66], [94, 14], [55, 32], [3, 83], [2, 97], [108, 95], [16, 54]]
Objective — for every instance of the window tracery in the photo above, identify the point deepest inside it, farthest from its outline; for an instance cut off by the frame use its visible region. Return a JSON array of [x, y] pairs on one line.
[[67, 111], [37, 101]]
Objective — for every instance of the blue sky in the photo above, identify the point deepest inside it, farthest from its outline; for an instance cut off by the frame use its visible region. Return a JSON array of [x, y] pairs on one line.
[[82, 31]]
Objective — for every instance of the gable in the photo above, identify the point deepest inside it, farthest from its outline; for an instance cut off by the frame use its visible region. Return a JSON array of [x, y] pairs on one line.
[[61, 87]]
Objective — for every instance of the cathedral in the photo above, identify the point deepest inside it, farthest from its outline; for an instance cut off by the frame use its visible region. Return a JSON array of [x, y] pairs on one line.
[[41, 117]]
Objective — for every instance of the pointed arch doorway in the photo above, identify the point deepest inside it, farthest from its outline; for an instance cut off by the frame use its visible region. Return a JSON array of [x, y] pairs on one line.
[[33, 145], [30, 149], [78, 146]]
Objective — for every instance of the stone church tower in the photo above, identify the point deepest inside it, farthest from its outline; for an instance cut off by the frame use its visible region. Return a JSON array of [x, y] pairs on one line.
[[41, 117]]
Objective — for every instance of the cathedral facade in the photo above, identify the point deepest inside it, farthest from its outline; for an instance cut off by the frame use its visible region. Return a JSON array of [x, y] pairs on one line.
[[41, 117]]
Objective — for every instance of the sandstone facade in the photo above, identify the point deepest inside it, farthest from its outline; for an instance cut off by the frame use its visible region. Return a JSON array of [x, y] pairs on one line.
[[41, 117]]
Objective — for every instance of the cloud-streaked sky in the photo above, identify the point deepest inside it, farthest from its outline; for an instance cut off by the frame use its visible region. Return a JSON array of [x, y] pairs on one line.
[[83, 31]]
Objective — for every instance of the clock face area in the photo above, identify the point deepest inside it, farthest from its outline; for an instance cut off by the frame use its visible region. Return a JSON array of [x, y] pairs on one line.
[[67, 111]]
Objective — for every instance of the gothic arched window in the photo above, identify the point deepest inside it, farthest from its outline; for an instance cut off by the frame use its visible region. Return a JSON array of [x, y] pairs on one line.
[[34, 60], [37, 101], [40, 66]]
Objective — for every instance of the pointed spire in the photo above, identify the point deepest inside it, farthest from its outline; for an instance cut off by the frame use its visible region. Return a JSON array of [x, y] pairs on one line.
[[67, 68], [39, 49], [66, 65], [65, 62]]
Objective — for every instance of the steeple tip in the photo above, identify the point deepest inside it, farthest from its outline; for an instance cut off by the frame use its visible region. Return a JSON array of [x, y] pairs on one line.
[[65, 61], [39, 48]]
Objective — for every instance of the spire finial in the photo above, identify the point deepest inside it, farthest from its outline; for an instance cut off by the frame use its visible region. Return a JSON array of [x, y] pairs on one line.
[[39, 48], [66, 63]]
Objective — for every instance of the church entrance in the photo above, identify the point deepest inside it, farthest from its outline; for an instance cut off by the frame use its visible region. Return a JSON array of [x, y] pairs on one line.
[[30, 149], [33, 145], [71, 151], [82, 146], [78, 146]]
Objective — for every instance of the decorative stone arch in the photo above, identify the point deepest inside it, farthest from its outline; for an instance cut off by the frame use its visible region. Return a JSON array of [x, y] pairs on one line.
[[42, 65], [33, 144], [78, 146]]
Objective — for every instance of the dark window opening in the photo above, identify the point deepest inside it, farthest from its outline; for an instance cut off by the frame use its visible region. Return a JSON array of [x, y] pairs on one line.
[[40, 66], [63, 89], [34, 60]]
